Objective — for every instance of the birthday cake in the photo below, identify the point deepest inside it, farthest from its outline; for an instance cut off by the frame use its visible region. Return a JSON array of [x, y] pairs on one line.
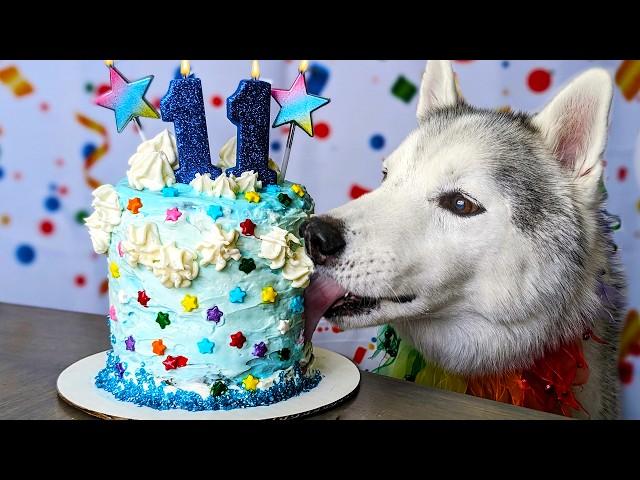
[[206, 285]]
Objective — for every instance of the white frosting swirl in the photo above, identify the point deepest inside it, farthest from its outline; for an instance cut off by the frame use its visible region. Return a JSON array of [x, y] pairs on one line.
[[142, 244], [275, 246], [222, 186], [228, 154], [298, 268], [218, 247], [152, 165], [247, 182], [175, 267], [105, 217]]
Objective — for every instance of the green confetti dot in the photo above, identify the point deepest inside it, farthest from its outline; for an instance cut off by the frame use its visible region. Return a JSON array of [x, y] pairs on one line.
[[403, 89], [80, 216], [89, 87]]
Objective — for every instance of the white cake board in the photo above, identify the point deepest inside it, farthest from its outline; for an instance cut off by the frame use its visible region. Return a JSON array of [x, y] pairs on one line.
[[340, 379]]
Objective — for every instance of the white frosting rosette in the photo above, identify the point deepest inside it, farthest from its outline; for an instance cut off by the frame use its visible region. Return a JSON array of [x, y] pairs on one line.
[[296, 265], [298, 268], [153, 163], [105, 217], [175, 267], [228, 154], [222, 186], [217, 247], [142, 245]]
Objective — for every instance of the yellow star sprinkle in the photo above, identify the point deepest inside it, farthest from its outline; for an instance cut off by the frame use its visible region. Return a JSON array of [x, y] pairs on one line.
[[114, 269], [250, 382], [269, 294], [298, 189], [252, 196], [189, 302]]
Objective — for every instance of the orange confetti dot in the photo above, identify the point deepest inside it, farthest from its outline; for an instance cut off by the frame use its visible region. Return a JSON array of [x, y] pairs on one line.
[[158, 347], [134, 205], [638, 205], [371, 346], [5, 219]]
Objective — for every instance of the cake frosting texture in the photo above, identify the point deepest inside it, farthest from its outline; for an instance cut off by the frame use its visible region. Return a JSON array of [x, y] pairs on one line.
[[206, 286]]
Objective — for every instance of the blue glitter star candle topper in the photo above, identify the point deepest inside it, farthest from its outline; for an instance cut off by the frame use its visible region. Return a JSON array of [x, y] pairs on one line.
[[126, 99], [248, 109], [296, 106], [184, 106]]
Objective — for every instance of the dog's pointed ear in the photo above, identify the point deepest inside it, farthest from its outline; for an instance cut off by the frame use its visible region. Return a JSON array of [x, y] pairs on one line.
[[438, 88], [575, 123]]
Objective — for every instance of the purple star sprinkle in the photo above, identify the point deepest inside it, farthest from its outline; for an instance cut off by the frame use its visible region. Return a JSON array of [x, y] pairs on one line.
[[130, 343], [120, 369], [259, 349], [214, 314]]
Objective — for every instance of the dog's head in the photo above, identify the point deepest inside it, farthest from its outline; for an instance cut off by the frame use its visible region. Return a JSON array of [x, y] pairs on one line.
[[482, 242]]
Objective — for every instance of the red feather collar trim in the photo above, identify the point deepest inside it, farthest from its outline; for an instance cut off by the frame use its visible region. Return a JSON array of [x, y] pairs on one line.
[[549, 385]]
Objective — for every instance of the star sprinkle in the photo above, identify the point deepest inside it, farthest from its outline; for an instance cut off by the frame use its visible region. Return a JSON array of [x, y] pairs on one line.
[[114, 270], [112, 313], [189, 302], [284, 354], [248, 227], [119, 369], [252, 197], [284, 199], [173, 214], [171, 363], [143, 298], [298, 189], [123, 297], [215, 212], [162, 319], [296, 105], [130, 343], [214, 314], [247, 265], [237, 340], [297, 304], [218, 388], [158, 347], [205, 346], [126, 99], [259, 349], [269, 294], [284, 326], [169, 192], [237, 295], [134, 205], [250, 382], [119, 248]]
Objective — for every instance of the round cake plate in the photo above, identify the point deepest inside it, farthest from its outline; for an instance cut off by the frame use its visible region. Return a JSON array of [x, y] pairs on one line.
[[340, 379]]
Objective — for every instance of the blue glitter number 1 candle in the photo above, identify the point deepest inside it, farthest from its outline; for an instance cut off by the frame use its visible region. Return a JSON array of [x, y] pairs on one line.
[[184, 106], [248, 109]]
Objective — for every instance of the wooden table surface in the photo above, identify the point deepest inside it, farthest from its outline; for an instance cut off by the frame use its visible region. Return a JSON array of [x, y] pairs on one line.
[[36, 344]]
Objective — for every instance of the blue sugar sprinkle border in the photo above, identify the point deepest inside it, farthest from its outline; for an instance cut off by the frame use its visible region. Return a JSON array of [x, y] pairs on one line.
[[147, 394]]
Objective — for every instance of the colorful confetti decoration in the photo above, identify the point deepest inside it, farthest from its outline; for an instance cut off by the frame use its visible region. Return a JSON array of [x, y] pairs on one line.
[[94, 155], [404, 89], [12, 77], [628, 78]]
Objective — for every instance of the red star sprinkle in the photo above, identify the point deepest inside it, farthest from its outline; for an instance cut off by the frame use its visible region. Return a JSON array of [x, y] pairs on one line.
[[134, 205], [143, 298], [248, 227], [171, 363], [237, 340]]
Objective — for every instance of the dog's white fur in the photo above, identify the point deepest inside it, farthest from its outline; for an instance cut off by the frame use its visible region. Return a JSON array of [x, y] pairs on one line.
[[494, 290]]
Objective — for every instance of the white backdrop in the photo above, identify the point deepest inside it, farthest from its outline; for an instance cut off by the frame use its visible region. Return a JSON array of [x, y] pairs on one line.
[[45, 253]]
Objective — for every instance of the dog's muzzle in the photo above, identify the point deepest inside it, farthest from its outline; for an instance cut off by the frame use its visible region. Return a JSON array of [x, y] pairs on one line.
[[323, 237]]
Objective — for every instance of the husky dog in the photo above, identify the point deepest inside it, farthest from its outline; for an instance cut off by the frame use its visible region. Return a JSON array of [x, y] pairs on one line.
[[486, 244]]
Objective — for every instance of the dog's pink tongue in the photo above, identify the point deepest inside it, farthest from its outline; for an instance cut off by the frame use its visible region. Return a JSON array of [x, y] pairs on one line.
[[318, 297]]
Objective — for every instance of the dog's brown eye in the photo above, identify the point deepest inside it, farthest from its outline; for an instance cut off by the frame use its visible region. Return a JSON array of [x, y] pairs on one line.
[[459, 204]]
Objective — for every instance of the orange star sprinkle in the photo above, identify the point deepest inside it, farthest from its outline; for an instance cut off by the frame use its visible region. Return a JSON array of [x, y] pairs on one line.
[[158, 347], [134, 205]]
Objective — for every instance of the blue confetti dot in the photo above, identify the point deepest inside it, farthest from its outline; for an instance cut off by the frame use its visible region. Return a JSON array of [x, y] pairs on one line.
[[505, 64], [52, 204], [25, 254], [275, 146], [374, 339], [376, 141], [53, 187], [1, 173], [88, 149]]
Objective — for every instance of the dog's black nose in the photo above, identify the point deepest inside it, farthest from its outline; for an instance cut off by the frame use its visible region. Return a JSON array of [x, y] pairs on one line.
[[323, 238]]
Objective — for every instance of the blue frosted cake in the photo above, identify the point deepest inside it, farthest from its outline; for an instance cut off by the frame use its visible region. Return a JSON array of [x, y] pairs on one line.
[[206, 285]]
